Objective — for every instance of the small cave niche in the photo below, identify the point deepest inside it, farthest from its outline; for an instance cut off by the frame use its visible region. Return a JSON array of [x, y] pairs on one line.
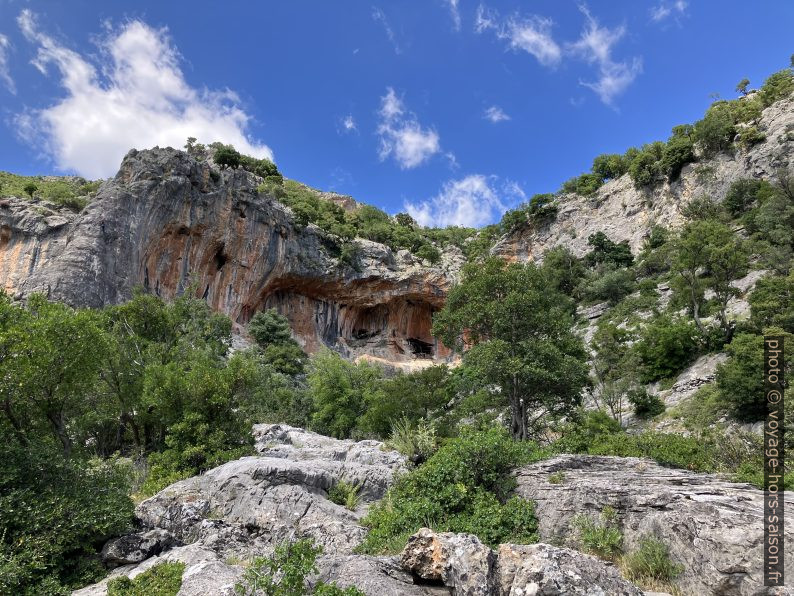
[[364, 333], [220, 258], [420, 349]]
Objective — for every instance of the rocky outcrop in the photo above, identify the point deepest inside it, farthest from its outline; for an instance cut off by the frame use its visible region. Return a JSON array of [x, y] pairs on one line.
[[469, 568], [245, 507], [168, 220], [712, 527], [624, 213], [135, 548]]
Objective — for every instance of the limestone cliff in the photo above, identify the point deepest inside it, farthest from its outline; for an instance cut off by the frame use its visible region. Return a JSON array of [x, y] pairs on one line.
[[624, 213], [167, 221]]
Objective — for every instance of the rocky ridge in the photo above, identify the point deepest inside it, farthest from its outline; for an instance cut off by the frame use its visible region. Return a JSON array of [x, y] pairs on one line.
[[168, 220], [216, 522]]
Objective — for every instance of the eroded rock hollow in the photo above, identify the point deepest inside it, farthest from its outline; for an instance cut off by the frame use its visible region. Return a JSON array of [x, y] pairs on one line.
[[170, 223]]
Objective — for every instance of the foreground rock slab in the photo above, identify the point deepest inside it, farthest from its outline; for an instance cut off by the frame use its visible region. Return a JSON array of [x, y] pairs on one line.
[[470, 568], [245, 507], [713, 527]]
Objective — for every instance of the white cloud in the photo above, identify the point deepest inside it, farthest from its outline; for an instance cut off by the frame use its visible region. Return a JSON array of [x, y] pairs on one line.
[[496, 114], [454, 12], [380, 16], [473, 201], [5, 75], [665, 9], [136, 96], [531, 34], [349, 124], [595, 46], [402, 136]]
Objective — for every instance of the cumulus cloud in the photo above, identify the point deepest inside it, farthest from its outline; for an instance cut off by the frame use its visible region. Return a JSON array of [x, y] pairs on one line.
[[135, 95], [666, 9], [473, 201], [402, 137], [530, 34], [595, 46], [496, 114], [5, 75]]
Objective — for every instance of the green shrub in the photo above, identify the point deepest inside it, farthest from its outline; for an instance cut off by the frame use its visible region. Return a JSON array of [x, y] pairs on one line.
[[745, 193], [54, 514], [557, 477], [585, 185], [605, 251], [599, 536], [749, 136], [163, 579], [645, 168], [651, 563], [345, 494], [227, 156], [689, 453], [666, 345], [645, 404], [584, 430], [772, 303], [611, 285], [610, 166], [269, 327], [464, 487], [30, 189], [778, 86], [286, 572], [415, 440], [678, 152], [714, 133]]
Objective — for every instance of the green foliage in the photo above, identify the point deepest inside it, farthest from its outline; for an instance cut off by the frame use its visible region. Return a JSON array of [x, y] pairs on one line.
[[651, 563], [415, 440], [71, 192], [585, 185], [54, 513], [464, 487], [599, 536], [738, 380], [778, 86], [520, 337], [678, 152], [563, 271], [749, 136], [645, 404], [610, 166], [557, 477], [539, 209], [227, 156], [345, 494], [645, 168], [585, 429], [772, 303], [340, 390], [286, 573], [666, 345], [746, 193], [607, 252], [413, 397], [714, 133], [268, 327], [609, 284], [163, 579]]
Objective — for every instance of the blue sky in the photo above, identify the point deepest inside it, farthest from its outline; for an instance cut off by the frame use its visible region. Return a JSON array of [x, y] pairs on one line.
[[453, 109]]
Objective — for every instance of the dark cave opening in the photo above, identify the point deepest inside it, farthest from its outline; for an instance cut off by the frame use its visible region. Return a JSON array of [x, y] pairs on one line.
[[220, 258], [420, 348]]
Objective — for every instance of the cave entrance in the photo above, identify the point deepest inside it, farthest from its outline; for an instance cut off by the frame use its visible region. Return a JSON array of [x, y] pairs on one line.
[[420, 348]]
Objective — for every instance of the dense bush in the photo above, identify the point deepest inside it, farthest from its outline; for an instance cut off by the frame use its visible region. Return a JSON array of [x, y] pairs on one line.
[[607, 252], [645, 169], [464, 487], [715, 131], [55, 512], [666, 345], [772, 303], [609, 284], [646, 405], [610, 166], [745, 193], [163, 579], [586, 184]]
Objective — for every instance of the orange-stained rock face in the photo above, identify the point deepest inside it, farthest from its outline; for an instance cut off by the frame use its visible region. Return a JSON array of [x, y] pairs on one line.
[[168, 222]]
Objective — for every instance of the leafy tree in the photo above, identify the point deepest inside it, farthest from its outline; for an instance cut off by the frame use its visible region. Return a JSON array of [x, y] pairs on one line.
[[646, 405], [714, 133], [340, 390], [519, 337], [227, 156], [678, 152], [741, 86], [739, 381], [778, 86], [666, 345], [585, 185], [613, 364], [562, 269], [707, 247], [30, 189], [645, 168], [610, 284], [605, 251], [745, 193], [772, 303], [269, 327], [405, 220], [411, 397], [610, 166]]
